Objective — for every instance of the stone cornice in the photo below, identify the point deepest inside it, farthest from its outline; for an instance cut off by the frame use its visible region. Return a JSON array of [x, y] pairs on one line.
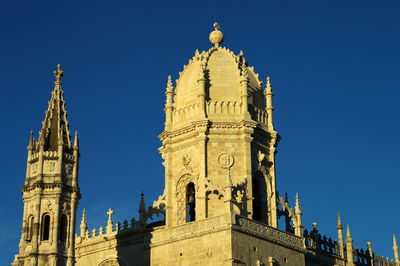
[[43, 185]]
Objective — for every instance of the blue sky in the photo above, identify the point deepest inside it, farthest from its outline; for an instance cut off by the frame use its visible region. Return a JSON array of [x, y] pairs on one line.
[[334, 68]]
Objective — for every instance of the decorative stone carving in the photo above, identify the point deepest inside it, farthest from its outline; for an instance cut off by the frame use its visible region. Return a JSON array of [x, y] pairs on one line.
[[34, 168], [66, 209], [68, 169], [269, 233], [186, 159], [50, 166], [225, 160]]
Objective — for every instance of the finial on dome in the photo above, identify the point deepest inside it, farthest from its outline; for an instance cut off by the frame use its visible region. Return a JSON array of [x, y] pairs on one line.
[[216, 36]]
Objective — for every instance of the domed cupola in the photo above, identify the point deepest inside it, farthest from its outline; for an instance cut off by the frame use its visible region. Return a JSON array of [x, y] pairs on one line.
[[217, 82]]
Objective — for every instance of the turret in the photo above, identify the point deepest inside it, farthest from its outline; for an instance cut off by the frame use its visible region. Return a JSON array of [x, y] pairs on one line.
[[51, 191]]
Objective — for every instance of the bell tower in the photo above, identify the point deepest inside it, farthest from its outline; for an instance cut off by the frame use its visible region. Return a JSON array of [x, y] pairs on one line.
[[219, 142], [51, 192]]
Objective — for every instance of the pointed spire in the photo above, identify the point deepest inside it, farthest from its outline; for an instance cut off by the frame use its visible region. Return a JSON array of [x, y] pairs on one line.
[[268, 107], [55, 129], [339, 222], [348, 235], [142, 209], [297, 206], [349, 248], [340, 236], [83, 223], [31, 142], [168, 105], [76, 141], [396, 251]]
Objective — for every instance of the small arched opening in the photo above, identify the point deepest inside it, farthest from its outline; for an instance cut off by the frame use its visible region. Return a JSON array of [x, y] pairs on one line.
[[46, 227], [63, 228], [190, 202]]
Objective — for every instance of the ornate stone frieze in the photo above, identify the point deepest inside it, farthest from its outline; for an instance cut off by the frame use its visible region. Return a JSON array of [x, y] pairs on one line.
[[269, 233], [189, 230]]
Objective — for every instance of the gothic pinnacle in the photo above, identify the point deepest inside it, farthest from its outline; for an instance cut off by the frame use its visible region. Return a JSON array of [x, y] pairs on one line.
[[58, 74], [83, 223], [396, 251], [348, 235], [76, 140], [339, 223], [30, 145]]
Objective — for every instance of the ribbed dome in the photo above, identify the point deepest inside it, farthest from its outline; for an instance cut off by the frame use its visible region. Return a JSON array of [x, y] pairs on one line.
[[223, 72]]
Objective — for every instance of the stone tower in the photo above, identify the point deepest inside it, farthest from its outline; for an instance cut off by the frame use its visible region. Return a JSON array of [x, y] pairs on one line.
[[219, 137], [51, 191]]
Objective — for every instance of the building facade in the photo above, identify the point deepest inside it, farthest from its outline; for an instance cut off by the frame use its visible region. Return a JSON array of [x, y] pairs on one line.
[[220, 205]]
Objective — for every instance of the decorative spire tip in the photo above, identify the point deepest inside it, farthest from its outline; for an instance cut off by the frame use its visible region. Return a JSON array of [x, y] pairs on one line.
[[216, 36]]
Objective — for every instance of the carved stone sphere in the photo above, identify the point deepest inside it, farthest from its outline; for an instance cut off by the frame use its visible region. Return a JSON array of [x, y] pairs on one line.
[[216, 37]]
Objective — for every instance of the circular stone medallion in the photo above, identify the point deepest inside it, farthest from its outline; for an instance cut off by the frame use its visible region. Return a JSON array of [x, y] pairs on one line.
[[225, 160]]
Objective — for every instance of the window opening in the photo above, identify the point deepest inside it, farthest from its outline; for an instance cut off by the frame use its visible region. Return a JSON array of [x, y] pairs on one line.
[[190, 203], [46, 227], [63, 228]]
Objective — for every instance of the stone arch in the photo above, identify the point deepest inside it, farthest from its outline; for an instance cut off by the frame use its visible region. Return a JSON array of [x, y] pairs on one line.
[[110, 262], [45, 226], [262, 193], [180, 194]]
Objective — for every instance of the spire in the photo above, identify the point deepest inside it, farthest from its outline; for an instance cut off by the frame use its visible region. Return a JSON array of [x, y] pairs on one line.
[[83, 223], [349, 248], [339, 222], [31, 142], [216, 36], [76, 141], [269, 108], [142, 209], [55, 128], [297, 207], [168, 105], [396, 251], [340, 236], [348, 235]]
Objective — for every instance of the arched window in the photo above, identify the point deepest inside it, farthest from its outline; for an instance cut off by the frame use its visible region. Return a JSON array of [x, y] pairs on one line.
[[190, 203], [260, 205], [29, 230], [45, 227], [63, 228]]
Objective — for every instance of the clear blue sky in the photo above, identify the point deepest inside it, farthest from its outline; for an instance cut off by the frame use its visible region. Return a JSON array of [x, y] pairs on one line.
[[334, 68]]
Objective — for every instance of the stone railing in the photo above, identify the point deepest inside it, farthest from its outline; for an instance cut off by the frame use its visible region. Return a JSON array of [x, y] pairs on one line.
[[314, 241]]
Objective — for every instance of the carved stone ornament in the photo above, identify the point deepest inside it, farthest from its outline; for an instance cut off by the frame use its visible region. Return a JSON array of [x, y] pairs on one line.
[[186, 164], [50, 166], [68, 169], [65, 209], [48, 206], [225, 160], [34, 168]]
